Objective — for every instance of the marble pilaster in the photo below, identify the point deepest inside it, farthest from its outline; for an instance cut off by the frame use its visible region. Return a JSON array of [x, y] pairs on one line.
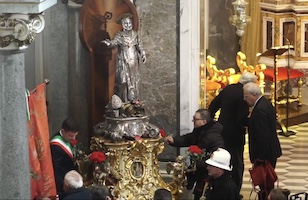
[[78, 69], [170, 33], [189, 64], [159, 75], [56, 65]]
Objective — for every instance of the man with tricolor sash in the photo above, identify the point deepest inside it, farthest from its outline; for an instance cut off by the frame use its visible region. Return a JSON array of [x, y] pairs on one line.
[[62, 152]]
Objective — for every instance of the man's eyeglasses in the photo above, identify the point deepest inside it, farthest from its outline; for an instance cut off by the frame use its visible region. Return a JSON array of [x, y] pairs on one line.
[[195, 119]]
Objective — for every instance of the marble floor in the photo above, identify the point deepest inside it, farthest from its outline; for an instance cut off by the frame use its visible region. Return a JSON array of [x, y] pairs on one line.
[[292, 166]]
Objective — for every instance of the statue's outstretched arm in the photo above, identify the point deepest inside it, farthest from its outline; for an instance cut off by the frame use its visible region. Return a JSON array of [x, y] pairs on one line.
[[110, 43], [107, 42], [113, 42]]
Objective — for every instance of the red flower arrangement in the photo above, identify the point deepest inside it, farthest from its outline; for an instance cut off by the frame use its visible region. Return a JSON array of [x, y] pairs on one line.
[[97, 157], [162, 132], [195, 153], [194, 149]]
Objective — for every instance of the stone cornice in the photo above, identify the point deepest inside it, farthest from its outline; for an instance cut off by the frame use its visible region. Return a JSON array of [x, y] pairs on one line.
[[284, 7], [28, 6], [73, 3], [17, 31]]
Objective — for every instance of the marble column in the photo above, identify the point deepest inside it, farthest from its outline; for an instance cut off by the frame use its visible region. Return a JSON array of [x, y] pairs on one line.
[[16, 33], [15, 171], [78, 68]]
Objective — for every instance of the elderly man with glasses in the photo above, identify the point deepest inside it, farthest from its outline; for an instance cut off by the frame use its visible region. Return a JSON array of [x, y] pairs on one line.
[[206, 135]]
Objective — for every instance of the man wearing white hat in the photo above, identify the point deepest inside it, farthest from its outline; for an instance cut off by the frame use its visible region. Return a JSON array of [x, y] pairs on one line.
[[222, 186]]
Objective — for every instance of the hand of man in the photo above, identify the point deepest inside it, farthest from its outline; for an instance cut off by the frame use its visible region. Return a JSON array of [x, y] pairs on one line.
[[169, 139]]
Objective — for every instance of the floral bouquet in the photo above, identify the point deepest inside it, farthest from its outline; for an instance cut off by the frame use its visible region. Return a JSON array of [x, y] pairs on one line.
[[99, 170], [79, 150], [195, 155], [81, 160], [97, 157]]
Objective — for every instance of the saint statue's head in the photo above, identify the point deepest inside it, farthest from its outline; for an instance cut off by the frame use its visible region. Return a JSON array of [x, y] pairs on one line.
[[126, 21]]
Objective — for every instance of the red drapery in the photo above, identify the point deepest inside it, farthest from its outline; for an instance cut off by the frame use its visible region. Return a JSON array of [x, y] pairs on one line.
[[41, 169]]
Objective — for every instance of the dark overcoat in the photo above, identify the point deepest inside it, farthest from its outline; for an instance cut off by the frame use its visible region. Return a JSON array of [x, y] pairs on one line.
[[233, 114], [263, 140]]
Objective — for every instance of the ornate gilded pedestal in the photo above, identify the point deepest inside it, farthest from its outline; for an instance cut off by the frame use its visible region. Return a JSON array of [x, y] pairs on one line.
[[131, 144], [136, 166]]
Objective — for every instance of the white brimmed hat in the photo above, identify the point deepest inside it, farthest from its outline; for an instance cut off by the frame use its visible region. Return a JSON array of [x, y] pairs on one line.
[[220, 158]]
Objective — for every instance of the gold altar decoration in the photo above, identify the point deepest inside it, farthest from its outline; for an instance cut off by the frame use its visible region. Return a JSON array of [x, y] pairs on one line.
[[257, 70], [135, 167], [215, 74], [215, 79]]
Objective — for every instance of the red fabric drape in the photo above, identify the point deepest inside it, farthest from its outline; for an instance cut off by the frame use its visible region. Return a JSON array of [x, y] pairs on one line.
[[41, 169]]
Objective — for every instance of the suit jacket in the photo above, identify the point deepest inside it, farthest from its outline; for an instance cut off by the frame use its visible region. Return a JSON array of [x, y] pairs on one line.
[[263, 139], [77, 194], [62, 163], [233, 114]]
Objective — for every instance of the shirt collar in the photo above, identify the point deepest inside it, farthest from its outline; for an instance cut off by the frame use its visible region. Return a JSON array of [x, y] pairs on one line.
[[257, 101]]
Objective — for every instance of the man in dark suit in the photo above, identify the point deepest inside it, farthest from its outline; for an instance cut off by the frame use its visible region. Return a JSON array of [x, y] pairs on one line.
[[206, 135], [61, 152], [233, 114], [263, 140]]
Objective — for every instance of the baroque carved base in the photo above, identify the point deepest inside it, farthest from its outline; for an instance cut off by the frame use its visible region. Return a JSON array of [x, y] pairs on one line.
[[136, 166]]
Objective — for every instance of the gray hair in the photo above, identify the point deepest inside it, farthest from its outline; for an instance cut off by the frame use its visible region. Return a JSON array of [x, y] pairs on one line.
[[248, 77], [205, 114], [73, 179], [253, 88]]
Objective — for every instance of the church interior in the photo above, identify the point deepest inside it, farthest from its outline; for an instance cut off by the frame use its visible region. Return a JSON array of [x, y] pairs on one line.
[[194, 49]]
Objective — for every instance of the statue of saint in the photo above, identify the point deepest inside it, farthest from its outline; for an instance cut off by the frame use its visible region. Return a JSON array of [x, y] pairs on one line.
[[129, 57]]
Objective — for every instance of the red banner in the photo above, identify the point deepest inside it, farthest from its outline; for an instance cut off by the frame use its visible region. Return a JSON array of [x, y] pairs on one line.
[[42, 175]]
